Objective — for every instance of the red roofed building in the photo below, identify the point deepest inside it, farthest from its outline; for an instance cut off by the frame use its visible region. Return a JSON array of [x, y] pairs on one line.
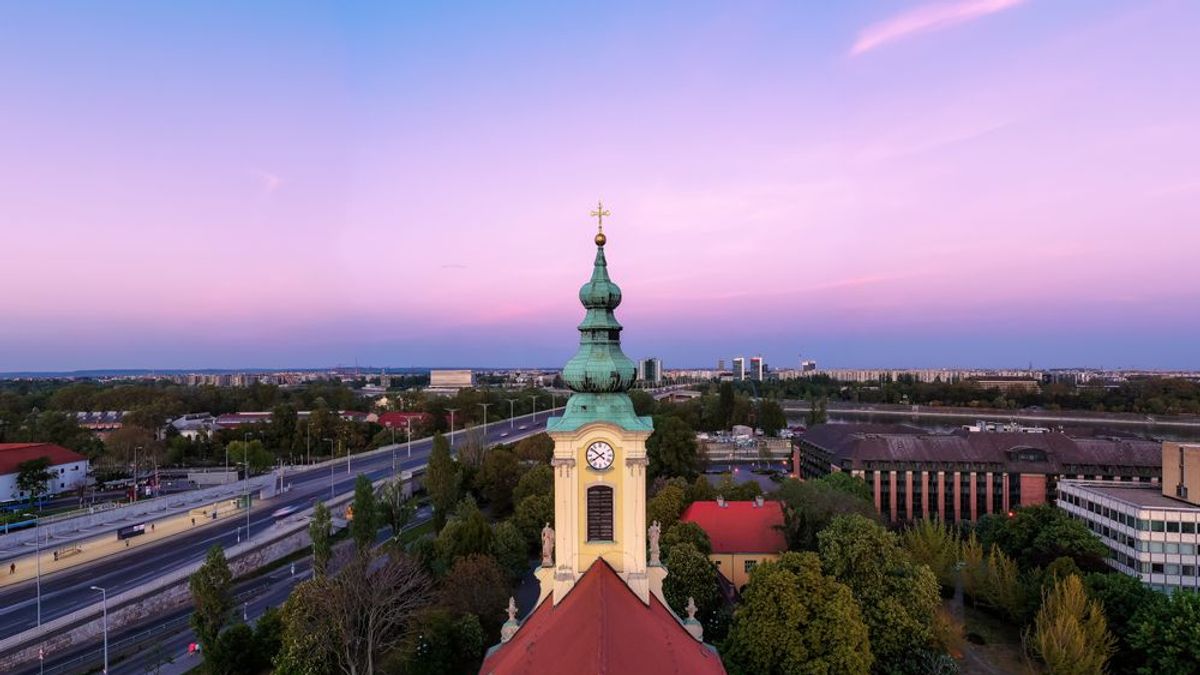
[[401, 420], [602, 627], [68, 467], [743, 534]]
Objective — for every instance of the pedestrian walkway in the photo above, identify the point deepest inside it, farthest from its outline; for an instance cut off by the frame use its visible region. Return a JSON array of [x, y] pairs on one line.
[[58, 557]]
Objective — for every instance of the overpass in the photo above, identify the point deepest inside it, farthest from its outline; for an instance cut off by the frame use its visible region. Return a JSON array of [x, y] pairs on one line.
[[68, 591]]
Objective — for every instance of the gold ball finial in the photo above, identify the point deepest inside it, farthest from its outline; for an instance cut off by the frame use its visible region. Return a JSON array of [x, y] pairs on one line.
[[599, 215], [600, 239]]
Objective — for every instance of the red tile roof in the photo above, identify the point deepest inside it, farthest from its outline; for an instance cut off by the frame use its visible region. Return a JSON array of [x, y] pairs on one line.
[[396, 419], [602, 627], [740, 527], [12, 454]]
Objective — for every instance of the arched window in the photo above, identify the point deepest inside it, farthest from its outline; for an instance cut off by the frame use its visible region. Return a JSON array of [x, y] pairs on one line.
[[600, 513]]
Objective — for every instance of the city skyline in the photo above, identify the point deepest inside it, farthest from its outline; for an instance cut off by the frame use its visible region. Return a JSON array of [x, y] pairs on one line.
[[978, 183]]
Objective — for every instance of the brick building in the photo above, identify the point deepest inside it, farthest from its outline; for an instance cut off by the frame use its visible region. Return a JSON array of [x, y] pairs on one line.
[[961, 476]]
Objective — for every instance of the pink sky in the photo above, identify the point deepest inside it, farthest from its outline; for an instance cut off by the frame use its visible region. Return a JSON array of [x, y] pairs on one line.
[[876, 184]]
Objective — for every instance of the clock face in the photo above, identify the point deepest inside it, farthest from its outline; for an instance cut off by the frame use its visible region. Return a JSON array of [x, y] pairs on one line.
[[600, 455]]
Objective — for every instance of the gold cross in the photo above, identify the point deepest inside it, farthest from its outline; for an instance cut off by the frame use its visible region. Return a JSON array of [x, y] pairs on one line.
[[599, 214]]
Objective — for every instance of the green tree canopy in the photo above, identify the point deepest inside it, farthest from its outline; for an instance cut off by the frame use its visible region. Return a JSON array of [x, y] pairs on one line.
[[1122, 598], [466, 533], [666, 506], [511, 549], [531, 515], [32, 477], [1166, 635], [672, 449], [536, 448], [898, 597], [478, 585], [1070, 633], [319, 532], [773, 418], [498, 478], [936, 545], [365, 525], [538, 480], [690, 574], [795, 619], [212, 599], [810, 506], [442, 642], [1037, 535], [685, 533], [443, 480], [395, 508]]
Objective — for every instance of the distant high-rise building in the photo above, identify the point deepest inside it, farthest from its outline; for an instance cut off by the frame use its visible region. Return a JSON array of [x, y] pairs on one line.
[[808, 366], [739, 368], [650, 370], [720, 365], [757, 369]]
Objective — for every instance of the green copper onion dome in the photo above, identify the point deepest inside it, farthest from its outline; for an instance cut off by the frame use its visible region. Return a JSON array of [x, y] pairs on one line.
[[599, 366]]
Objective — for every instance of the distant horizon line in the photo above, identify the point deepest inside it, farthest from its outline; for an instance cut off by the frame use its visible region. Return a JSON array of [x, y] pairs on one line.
[[393, 370]]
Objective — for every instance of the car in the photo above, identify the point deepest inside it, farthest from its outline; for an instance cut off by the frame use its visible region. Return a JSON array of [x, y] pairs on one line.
[[523, 427], [285, 511], [503, 434]]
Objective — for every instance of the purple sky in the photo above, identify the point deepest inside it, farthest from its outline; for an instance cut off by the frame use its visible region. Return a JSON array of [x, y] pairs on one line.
[[962, 183]]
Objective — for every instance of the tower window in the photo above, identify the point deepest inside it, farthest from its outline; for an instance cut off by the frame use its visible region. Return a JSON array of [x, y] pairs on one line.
[[600, 513]]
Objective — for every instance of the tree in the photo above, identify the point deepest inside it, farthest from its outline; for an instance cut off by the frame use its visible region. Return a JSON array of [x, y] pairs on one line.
[[936, 545], [467, 533], [395, 508], [212, 599], [443, 479], [672, 449], [477, 585], [685, 533], [1166, 634], [643, 402], [773, 418], [511, 549], [810, 506], [319, 532], [536, 448], [253, 452], [33, 476], [1070, 633], [531, 515], [1122, 598], [1037, 535], [973, 570], [898, 597], [497, 479], [346, 622], [538, 480], [365, 524], [845, 482], [737, 492], [795, 619], [816, 412], [690, 574], [1002, 588], [441, 642], [725, 404], [666, 506], [700, 490]]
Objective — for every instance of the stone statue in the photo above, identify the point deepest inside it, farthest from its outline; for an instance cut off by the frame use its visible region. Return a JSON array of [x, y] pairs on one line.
[[655, 531], [691, 609], [691, 624], [547, 546], [510, 627]]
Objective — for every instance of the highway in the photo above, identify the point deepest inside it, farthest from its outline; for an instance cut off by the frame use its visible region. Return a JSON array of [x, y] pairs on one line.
[[69, 590]]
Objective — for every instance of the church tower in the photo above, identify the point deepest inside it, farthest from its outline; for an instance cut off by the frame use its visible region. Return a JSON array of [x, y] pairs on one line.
[[600, 452]]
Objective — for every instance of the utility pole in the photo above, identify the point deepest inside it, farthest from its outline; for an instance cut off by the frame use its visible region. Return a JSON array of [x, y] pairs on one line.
[[512, 418], [451, 411], [485, 406], [535, 400], [408, 425], [393, 427], [37, 537], [104, 604], [331, 463]]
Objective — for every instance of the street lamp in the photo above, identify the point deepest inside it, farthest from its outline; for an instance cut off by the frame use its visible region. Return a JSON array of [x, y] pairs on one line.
[[331, 458], [512, 418], [135, 465], [485, 407], [451, 411], [247, 493], [393, 427], [408, 426], [535, 400], [37, 537], [104, 604]]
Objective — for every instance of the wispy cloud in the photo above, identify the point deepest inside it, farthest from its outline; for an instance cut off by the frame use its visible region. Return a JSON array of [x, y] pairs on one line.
[[926, 18], [270, 182]]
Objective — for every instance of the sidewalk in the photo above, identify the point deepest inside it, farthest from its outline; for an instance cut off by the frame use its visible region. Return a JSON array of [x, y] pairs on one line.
[[55, 558]]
